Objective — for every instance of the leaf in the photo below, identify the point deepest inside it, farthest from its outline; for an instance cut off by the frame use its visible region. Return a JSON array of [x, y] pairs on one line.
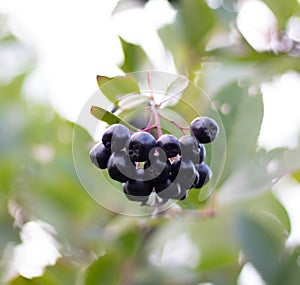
[[124, 5], [175, 89], [259, 174], [237, 108], [195, 18], [261, 245], [289, 272], [133, 101], [104, 270], [283, 10], [109, 117], [113, 88], [177, 86], [134, 56], [296, 175], [187, 36]]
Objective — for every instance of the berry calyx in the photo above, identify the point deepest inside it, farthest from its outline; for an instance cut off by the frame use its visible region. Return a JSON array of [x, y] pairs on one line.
[[169, 144], [116, 137], [100, 155], [204, 129], [140, 144]]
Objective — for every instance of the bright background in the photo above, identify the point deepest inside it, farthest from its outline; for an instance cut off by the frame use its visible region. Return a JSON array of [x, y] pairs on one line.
[[65, 44]]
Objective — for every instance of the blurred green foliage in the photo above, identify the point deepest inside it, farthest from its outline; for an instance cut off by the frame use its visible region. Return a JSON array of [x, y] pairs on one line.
[[100, 247]]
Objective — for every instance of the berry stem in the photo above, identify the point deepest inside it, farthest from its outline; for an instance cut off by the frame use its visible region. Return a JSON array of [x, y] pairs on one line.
[[155, 110], [149, 85], [147, 129], [150, 122], [181, 128]]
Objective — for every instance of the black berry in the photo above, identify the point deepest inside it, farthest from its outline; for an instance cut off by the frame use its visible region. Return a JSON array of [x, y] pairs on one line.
[[204, 175], [158, 168], [184, 173], [169, 144], [190, 149], [137, 190], [100, 155], [140, 145], [202, 152], [167, 189], [120, 167], [204, 129], [115, 137]]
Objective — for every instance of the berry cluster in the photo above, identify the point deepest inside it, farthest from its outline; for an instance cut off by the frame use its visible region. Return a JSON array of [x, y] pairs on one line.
[[168, 166]]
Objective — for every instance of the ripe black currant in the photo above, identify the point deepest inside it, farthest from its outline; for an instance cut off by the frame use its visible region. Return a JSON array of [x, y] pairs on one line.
[[169, 144], [158, 168], [204, 175], [120, 167], [115, 137], [202, 152], [191, 149], [167, 189], [100, 155], [204, 129], [140, 144], [184, 173], [137, 190]]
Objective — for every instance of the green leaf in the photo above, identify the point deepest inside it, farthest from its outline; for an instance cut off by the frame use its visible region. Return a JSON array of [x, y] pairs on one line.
[[262, 245], [188, 35], [296, 175], [114, 88], [104, 270], [133, 101], [175, 89], [237, 108], [194, 20], [134, 56], [259, 174], [177, 86], [289, 272], [109, 117], [283, 10]]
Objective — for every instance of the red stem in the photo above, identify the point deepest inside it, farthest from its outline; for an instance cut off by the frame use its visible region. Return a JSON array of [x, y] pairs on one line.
[[147, 129]]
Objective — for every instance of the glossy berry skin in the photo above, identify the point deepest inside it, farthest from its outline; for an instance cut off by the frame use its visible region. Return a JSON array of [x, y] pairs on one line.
[[100, 155], [140, 144], [204, 129], [120, 167], [158, 168], [169, 144], [137, 190], [202, 153], [184, 173], [204, 175], [191, 149], [167, 189], [116, 137]]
